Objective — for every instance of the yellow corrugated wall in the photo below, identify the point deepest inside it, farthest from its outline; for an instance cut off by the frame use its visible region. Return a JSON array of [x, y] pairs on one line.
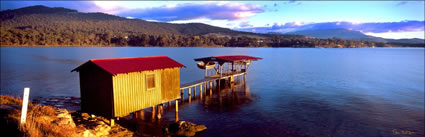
[[130, 93]]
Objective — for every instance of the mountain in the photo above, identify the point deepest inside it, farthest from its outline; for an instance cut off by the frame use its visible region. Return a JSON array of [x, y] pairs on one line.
[[409, 41], [54, 18], [330, 33], [351, 35]]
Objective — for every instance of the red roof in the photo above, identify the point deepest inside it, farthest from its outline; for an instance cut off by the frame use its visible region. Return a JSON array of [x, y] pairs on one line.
[[135, 64], [235, 57], [228, 58]]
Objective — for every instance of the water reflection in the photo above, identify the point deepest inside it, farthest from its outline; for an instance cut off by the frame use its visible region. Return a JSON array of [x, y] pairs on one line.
[[227, 97], [58, 60]]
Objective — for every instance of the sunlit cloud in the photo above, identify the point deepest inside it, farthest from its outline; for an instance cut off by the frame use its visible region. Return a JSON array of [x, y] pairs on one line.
[[188, 11]]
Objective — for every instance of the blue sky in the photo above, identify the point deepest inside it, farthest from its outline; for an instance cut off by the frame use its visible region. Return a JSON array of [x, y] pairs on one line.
[[389, 19]]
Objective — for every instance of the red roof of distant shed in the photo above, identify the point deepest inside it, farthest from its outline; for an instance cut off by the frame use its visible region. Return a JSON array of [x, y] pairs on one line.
[[236, 57], [135, 64], [227, 58]]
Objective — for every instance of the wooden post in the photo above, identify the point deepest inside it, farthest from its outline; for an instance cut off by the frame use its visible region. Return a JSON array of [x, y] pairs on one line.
[[190, 99], [159, 111], [142, 114], [169, 103], [194, 91], [205, 88], [210, 91], [177, 110], [112, 123], [200, 91], [190, 92], [232, 79], [25, 105], [218, 82], [153, 112]]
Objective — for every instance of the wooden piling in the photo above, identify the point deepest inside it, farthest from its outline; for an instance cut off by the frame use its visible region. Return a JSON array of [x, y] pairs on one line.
[[153, 112], [159, 111], [232, 79], [177, 110], [112, 122], [210, 91], [205, 88], [194, 91], [200, 91], [189, 92], [142, 114], [190, 99]]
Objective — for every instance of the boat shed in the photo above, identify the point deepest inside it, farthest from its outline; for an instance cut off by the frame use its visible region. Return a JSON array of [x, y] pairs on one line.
[[228, 64], [119, 86]]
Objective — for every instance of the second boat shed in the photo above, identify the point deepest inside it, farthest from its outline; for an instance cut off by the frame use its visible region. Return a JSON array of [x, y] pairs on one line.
[[119, 86]]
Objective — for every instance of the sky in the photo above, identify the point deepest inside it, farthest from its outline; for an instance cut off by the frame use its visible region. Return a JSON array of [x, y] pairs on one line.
[[387, 19]]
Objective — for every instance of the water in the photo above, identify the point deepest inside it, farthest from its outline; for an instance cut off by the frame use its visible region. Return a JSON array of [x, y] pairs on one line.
[[291, 92]]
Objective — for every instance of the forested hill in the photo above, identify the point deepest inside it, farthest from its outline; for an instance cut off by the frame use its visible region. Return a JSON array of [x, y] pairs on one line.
[[45, 26], [72, 20]]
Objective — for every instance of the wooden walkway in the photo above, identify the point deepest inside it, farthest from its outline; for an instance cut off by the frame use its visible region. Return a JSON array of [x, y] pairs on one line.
[[209, 79]]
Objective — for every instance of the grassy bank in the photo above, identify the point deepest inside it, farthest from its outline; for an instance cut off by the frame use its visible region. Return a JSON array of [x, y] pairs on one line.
[[52, 122], [39, 120]]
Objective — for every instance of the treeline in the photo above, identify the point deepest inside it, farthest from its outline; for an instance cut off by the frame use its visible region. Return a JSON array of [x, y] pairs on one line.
[[38, 36]]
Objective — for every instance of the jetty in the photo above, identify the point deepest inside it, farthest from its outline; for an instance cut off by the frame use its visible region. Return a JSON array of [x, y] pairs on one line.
[[219, 70]]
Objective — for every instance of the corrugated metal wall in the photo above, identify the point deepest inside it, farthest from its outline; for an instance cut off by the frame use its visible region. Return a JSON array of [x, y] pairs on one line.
[[130, 93], [170, 81]]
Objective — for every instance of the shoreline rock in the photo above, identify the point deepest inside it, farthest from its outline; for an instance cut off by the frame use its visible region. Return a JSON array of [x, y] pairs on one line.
[[183, 128]]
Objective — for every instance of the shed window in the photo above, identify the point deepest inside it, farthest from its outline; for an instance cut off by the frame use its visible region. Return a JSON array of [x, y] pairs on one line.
[[150, 81]]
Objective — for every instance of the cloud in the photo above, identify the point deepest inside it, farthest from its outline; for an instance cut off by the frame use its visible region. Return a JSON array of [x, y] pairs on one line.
[[172, 12], [188, 11], [245, 24], [371, 27]]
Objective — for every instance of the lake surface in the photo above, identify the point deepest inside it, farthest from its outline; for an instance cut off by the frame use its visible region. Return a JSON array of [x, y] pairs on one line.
[[291, 92]]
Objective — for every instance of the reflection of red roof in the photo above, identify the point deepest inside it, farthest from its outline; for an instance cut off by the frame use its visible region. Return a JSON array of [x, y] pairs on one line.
[[235, 57], [228, 58], [136, 64]]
